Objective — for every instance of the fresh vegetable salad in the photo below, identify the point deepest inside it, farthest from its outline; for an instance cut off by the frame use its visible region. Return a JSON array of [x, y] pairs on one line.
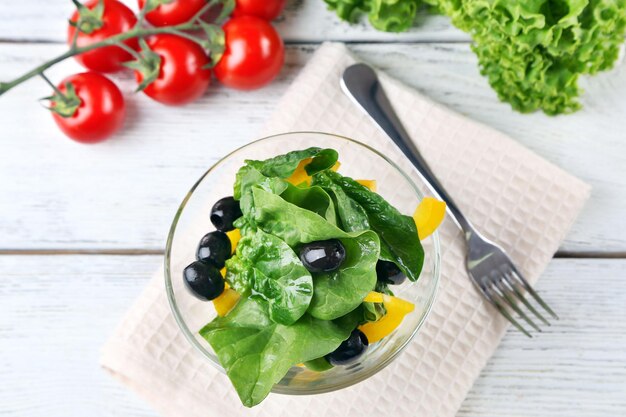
[[301, 268]]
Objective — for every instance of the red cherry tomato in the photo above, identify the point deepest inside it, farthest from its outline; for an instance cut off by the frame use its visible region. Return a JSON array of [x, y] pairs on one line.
[[117, 18], [173, 13], [254, 54], [182, 78], [265, 9], [101, 111]]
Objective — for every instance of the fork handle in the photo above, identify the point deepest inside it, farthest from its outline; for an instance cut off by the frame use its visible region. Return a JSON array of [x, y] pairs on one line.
[[360, 82]]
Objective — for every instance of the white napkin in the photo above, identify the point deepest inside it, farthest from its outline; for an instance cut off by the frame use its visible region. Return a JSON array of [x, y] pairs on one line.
[[512, 195]]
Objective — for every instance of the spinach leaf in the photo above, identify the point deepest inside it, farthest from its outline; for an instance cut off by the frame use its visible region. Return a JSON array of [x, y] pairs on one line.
[[282, 166], [325, 159], [318, 365], [257, 352], [399, 240], [338, 292], [265, 267], [248, 177], [373, 312], [335, 293], [314, 199], [383, 288], [351, 215]]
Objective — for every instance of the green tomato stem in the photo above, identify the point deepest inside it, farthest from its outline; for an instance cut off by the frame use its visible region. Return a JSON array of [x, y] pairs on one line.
[[111, 41], [74, 38], [187, 36], [54, 87], [130, 50], [142, 14], [203, 10]]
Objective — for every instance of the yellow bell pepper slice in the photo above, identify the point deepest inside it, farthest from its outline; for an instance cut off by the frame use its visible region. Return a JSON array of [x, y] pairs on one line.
[[373, 297], [335, 167], [396, 308], [234, 236], [428, 216], [226, 300], [371, 184], [299, 175]]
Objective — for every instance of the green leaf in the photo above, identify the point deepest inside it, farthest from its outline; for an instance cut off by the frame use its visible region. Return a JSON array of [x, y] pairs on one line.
[[314, 199], [282, 166], [248, 177], [532, 52], [323, 160], [398, 235], [265, 267], [392, 15], [373, 311], [338, 292], [257, 352], [348, 10], [318, 365], [269, 174], [352, 217], [383, 288]]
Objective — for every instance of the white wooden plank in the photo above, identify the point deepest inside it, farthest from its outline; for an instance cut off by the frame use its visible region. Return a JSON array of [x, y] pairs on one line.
[[302, 21], [56, 312], [123, 193]]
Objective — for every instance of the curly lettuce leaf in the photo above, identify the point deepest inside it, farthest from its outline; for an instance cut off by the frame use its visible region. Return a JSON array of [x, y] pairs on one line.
[[348, 10], [532, 52], [385, 15], [392, 15]]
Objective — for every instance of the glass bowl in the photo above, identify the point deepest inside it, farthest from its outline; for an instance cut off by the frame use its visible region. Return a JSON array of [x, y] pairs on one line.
[[358, 161]]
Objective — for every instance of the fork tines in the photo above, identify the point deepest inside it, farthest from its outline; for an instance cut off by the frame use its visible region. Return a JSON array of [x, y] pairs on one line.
[[507, 291]]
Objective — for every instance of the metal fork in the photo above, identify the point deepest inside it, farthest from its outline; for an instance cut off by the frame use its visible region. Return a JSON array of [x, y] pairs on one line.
[[489, 267]]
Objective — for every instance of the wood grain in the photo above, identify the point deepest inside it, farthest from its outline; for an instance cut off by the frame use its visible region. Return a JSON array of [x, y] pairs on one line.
[[56, 312], [122, 194], [302, 21]]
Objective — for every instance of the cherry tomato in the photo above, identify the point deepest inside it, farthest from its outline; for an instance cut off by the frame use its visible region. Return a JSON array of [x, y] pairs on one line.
[[265, 9], [117, 18], [182, 78], [253, 56], [173, 13], [101, 111]]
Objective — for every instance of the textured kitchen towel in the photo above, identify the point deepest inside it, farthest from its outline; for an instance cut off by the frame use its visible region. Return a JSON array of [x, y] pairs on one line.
[[512, 195]]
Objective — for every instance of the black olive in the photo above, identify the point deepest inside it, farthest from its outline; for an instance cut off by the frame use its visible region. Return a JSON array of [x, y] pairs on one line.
[[349, 350], [323, 255], [389, 273], [203, 280], [224, 213], [214, 248]]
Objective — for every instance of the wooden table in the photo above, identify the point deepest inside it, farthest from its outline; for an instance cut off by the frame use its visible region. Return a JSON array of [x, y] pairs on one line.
[[83, 227]]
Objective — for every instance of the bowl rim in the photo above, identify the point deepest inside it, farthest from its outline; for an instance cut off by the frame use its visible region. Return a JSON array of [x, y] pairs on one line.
[[295, 390]]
